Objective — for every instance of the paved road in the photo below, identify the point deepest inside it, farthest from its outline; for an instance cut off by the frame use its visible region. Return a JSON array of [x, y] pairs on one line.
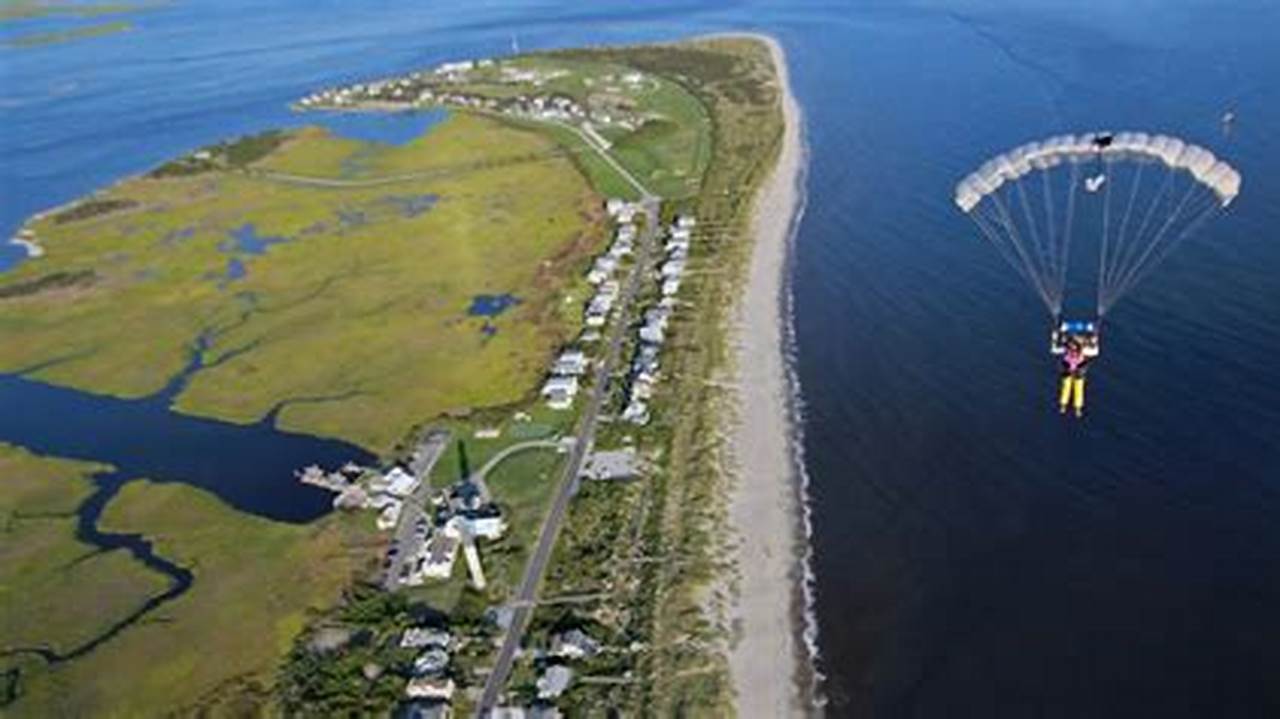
[[523, 600], [424, 458]]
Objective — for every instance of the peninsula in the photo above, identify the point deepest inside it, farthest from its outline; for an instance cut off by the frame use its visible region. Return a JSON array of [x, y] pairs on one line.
[[550, 316]]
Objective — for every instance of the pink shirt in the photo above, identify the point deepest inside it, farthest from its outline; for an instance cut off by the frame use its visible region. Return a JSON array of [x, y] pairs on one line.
[[1074, 359]]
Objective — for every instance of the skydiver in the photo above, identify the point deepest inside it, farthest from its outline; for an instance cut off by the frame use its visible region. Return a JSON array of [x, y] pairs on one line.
[[1077, 343]]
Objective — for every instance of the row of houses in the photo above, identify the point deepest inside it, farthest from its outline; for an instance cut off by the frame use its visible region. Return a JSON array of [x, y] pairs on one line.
[[646, 364], [564, 376], [428, 687], [443, 87]]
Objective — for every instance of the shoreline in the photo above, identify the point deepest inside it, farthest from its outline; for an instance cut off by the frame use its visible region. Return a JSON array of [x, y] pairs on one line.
[[766, 508]]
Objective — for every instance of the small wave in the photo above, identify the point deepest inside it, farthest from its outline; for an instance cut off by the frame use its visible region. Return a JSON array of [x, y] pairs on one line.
[[796, 412]]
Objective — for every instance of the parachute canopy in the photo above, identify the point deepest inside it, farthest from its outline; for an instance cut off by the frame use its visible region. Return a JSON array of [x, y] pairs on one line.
[[1025, 202]]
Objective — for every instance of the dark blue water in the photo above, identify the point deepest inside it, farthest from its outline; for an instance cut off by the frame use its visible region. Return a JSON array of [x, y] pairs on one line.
[[247, 240], [491, 305], [976, 555], [248, 466]]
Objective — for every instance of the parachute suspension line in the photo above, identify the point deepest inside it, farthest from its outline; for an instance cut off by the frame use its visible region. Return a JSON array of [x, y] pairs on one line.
[[1130, 270], [1052, 241], [991, 227], [1065, 256], [1042, 253], [1106, 277], [993, 235], [1106, 228], [1123, 260], [1012, 229], [1145, 266]]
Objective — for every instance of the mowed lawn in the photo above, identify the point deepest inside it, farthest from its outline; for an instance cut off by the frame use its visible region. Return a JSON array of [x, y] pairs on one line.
[[346, 313]]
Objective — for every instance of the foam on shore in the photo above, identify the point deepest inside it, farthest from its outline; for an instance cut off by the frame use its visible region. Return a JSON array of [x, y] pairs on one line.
[[772, 663]]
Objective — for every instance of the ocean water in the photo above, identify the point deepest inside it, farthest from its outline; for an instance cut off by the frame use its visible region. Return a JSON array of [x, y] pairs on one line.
[[975, 554]]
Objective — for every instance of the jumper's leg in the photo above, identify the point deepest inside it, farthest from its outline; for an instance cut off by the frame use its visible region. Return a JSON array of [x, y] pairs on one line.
[[1079, 397], [1064, 395]]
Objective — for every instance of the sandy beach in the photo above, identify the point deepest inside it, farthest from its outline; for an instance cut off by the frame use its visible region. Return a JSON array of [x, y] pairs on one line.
[[768, 661]]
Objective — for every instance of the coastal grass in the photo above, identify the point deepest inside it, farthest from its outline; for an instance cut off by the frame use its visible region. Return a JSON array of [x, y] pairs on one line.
[[45, 571], [30, 9], [216, 647], [54, 37], [356, 325]]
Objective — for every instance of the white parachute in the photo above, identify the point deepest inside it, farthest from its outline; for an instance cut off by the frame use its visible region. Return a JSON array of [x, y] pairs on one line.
[[1027, 202]]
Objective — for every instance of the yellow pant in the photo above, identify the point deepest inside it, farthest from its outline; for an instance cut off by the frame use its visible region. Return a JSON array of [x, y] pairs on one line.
[[1072, 389]]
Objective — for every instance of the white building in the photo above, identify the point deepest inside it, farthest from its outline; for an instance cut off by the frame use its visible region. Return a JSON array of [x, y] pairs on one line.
[[657, 316], [567, 385], [452, 67], [430, 663], [602, 269], [637, 412], [423, 637], [559, 400], [620, 249], [601, 304], [560, 392], [641, 389], [672, 269], [574, 644], [554, 681], [439, 554], [596, 317], [652, 333], [572, 363], [395, 482], [485, 527], [430, 688], [389, 515]]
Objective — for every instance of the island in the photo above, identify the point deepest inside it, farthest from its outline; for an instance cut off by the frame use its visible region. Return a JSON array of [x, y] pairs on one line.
[[544, 327], [74, 21]]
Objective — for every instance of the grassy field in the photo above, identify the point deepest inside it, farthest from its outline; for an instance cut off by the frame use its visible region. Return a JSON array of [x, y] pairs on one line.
[[217, 646], [351, 318], [45, 571]]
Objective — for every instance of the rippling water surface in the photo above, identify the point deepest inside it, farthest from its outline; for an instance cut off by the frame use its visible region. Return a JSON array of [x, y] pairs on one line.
[[975, 554]]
